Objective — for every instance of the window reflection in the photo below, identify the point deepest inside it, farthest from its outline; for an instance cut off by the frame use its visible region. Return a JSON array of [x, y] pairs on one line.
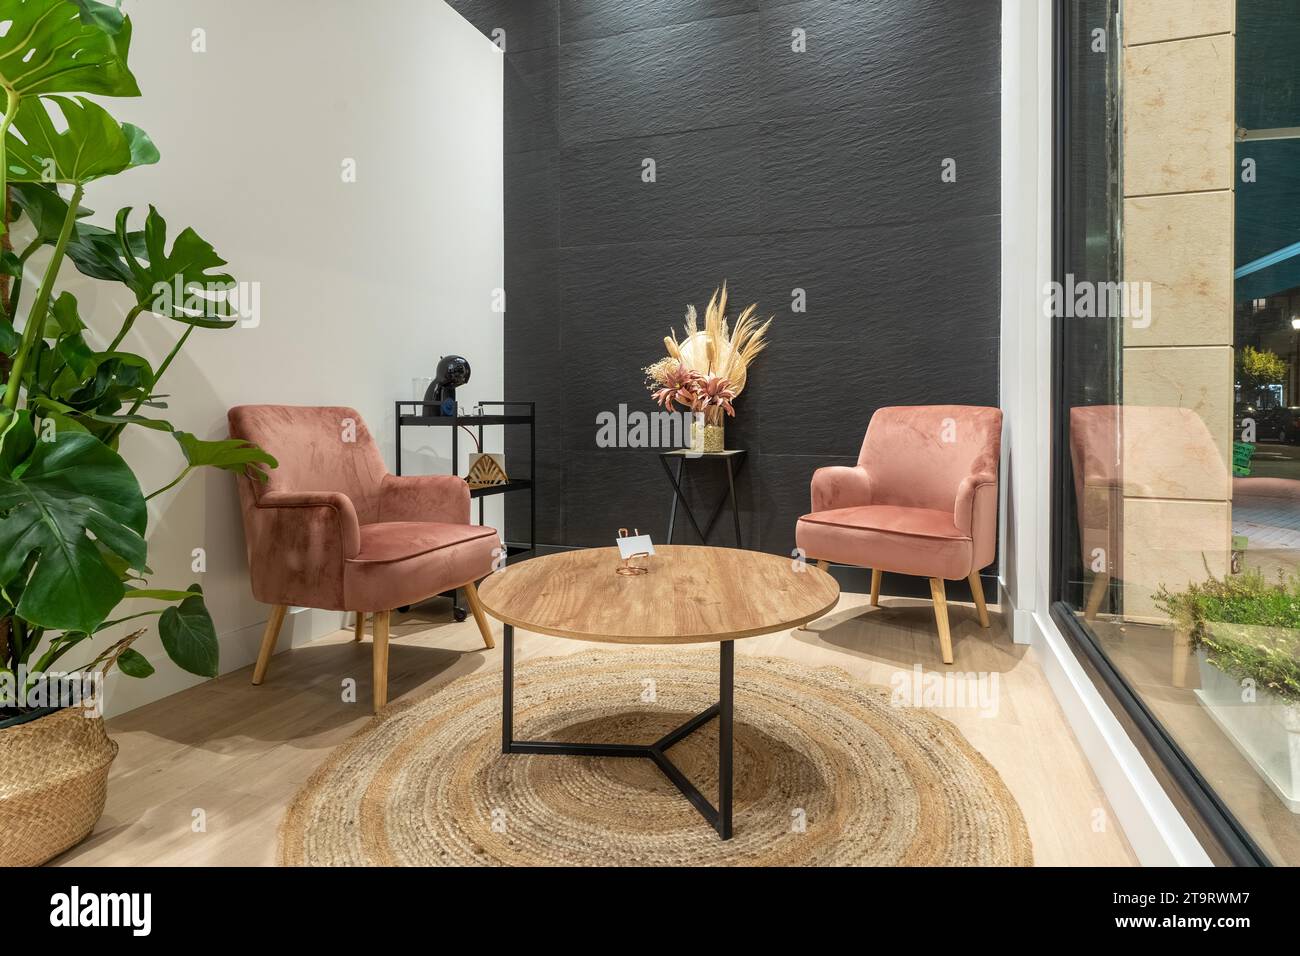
[[1179, 543]]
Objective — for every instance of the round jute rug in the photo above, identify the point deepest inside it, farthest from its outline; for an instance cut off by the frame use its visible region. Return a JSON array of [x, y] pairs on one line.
[[827, 772]]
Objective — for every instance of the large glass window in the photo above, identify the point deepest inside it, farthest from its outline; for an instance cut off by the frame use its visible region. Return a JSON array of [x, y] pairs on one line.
[[1177, 396]]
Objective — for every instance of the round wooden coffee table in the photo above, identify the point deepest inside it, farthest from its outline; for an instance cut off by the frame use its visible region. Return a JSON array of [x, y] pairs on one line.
[[690, 595]]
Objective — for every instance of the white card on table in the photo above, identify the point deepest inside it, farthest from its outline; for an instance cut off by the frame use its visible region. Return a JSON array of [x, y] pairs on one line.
[[635, 544]]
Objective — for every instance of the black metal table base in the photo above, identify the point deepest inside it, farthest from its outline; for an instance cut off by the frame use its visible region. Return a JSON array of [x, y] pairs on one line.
[[719, 817]]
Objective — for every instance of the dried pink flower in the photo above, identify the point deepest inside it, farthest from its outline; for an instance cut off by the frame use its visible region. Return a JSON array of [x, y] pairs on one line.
[[680, 385], [714, 391]]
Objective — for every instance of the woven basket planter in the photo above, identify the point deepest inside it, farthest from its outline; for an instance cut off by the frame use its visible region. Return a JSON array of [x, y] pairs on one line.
[[53, 781]]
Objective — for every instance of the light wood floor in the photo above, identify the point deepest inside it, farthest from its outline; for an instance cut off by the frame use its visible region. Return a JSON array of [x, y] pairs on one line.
[[204, 776]]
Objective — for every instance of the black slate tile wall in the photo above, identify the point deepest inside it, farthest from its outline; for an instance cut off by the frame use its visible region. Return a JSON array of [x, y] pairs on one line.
[[776, 170]]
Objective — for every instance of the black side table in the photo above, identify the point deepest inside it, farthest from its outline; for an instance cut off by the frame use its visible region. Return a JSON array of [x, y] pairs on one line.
[[683, 455]]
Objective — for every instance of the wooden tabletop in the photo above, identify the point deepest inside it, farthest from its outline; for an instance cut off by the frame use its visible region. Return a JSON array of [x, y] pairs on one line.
[[689, 596]]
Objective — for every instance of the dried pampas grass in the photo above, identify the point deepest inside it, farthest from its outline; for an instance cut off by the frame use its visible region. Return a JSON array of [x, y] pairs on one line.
[[719, 349]]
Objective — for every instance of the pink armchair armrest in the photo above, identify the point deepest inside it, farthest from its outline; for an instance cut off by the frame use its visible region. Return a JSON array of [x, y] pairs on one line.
[[840, 486], [299, 516], [975, 513], [442, 498], [298, 543], [975, 495]]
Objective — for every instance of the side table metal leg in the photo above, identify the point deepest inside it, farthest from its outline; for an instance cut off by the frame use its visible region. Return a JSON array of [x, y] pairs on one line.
[[507, 687], [735, 511], [727, 656], [681, 496], [672, 512]]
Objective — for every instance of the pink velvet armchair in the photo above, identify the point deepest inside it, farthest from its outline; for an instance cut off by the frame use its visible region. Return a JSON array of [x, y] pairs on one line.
[[332, 529], [922, 499]]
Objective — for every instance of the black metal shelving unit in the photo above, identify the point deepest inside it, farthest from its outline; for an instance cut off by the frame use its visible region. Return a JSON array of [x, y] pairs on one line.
[[419, 414]]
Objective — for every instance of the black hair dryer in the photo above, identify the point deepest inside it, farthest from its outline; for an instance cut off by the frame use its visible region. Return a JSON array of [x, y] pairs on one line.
[[453, 371]]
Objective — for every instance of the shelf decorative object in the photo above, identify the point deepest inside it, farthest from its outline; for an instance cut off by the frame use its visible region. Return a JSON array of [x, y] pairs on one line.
[[486, 469], [707, 370]]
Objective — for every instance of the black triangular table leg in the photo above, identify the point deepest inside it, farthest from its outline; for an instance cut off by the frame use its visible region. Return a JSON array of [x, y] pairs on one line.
[[718, 817]]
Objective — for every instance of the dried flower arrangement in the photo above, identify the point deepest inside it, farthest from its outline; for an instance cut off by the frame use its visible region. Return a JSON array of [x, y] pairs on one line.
[[707, 369]]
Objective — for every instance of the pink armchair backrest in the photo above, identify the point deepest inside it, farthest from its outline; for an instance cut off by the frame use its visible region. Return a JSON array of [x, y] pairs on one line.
[[1098, 489], [918, 456], [319, 448], [1143, 451]]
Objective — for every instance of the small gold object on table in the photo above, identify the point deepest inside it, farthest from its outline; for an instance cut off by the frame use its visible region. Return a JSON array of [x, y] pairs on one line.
[[633, 547]]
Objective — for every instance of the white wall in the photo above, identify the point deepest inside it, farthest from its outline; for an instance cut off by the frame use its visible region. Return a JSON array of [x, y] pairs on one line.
[[363, 285]]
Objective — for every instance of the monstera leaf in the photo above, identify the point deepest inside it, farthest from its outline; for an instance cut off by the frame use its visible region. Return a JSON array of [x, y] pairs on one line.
[[9, 338], [67, 321], [96, 253], [109, 19], [229, 454], [79, 387], [134, 664], [188, 635], [178, 284], [163, 281], [94, 381], [56, 46], [94, 144], [54, 495], [45, 208], [92, 249]]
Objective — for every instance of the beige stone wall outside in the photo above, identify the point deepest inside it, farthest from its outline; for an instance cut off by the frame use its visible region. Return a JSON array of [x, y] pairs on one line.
[[1178, 79]]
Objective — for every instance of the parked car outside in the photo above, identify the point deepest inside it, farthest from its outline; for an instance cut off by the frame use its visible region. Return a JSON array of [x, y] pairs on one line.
[[1279, 424]]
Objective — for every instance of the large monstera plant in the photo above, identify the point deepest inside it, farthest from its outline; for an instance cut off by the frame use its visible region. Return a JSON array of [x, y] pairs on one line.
[[73, 518]]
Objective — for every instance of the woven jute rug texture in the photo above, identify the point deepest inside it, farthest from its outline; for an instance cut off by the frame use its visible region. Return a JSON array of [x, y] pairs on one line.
[[827, 772]]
